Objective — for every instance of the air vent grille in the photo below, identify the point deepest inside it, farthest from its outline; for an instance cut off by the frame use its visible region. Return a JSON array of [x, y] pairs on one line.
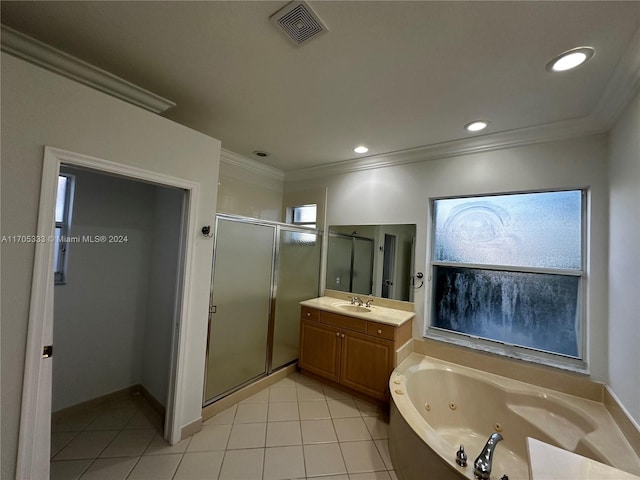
[[298, 22]]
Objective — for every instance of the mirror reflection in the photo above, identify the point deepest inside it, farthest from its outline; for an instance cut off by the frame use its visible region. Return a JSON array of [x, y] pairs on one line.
[[374, 260]]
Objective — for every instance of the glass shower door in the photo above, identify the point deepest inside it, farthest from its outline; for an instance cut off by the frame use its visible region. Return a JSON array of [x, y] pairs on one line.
[[362, 269], [339, 263], [298, 279], [242, 284]]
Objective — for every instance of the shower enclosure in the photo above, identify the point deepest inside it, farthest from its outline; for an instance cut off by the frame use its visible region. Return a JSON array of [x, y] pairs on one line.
[[261, 271], [350, 263]]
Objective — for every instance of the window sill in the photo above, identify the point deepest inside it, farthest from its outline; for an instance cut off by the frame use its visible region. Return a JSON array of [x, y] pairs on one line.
[[519, 353]]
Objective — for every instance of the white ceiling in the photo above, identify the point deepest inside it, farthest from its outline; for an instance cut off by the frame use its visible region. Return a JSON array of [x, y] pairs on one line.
[[392, 75]]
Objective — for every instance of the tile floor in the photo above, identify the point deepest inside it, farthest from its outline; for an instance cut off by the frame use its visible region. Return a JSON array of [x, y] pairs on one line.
[[295, 429]]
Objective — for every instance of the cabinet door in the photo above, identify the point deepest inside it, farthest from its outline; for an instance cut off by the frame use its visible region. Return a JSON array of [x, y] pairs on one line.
[[320, 349], [367, 363]]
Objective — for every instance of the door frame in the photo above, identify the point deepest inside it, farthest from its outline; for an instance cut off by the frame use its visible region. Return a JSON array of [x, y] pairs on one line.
[[35, 416]]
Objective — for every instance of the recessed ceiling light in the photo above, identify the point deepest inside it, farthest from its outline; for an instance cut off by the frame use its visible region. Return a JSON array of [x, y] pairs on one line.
[[476, 126], [570, 59], [260, 153], [361, 149]]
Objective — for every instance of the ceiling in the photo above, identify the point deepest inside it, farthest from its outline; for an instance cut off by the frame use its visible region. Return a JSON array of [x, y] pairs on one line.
[[392, 75]]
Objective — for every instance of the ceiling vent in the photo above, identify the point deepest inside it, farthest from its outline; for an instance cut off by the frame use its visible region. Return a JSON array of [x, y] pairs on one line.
[[298, 22]]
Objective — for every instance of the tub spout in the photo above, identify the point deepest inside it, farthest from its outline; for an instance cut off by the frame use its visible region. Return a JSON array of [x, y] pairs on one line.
[[482, 465]]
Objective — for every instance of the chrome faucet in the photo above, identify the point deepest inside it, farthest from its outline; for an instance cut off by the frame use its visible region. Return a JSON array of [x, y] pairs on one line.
[[356, 299], [482, 464]]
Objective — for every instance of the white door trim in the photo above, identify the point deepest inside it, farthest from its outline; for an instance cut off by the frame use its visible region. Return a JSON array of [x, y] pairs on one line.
[[35, 416]]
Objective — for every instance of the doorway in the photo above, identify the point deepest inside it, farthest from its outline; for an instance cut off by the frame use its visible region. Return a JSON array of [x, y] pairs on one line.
[[115, 303], [115, 293], [35, 423]]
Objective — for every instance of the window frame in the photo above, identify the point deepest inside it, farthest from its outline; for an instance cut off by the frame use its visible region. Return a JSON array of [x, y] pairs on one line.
[[313, 224], [60, 268], [530, 354]]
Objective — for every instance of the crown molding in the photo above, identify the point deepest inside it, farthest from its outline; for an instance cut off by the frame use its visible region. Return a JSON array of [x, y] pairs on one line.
[[621, 88], [45, 56], [509, 139], [245, 163]]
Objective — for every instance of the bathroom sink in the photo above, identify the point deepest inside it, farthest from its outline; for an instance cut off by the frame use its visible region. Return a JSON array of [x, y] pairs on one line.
[[349, 307]]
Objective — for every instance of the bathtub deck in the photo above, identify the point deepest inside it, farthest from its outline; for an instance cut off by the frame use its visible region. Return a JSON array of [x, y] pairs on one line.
[[552, 463]]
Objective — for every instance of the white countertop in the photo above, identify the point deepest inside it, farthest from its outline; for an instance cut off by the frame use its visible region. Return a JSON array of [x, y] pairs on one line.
[[390, 316], [547, 462]]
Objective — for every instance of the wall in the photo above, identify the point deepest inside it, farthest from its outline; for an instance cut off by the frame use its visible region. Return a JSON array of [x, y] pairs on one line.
[[624, 259], [41, 108], [99, 313], [249, 188], [401, 194]]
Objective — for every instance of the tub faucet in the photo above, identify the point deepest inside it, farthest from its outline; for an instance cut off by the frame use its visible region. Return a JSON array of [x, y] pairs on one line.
[[482, 465]]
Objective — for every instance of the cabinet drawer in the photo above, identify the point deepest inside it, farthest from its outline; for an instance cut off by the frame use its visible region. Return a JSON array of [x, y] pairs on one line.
[[381, 330], [342, 321], [310, 313]]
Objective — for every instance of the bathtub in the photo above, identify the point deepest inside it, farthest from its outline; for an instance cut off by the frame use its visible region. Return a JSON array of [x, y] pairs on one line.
[[436, 406]]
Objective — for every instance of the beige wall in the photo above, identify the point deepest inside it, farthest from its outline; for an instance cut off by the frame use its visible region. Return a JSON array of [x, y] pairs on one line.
[[400, 194], [624, 259], [249, 189], [41, 108]]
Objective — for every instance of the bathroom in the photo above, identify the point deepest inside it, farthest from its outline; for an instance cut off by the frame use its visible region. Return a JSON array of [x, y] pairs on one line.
[[604, 162]]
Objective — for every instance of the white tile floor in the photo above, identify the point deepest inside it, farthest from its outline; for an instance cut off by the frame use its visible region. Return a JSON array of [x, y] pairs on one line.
[[295, 429]]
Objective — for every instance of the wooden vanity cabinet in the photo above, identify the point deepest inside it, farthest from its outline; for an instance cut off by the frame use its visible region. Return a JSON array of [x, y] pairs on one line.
[[320, 347], [353, 352], [366, 363]]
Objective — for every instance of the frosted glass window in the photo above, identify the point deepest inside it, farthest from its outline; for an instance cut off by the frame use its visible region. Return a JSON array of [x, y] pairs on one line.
[[305, 215], [523, 230], [509, 268], [532, 310]]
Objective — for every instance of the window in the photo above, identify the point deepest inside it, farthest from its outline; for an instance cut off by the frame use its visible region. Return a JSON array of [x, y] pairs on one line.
[[304, 215], [509, 269], [63, 220]]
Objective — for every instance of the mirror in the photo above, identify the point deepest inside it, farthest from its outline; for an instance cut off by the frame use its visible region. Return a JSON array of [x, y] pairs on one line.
[[374, 260]]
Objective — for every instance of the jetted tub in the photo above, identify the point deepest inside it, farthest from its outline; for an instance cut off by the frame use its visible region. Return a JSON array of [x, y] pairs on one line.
[[437, 406]]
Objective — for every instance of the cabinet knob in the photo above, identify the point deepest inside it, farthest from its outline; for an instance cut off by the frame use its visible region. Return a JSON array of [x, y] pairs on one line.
[[308, 314], [342, 335], [337, 334], [379, 331]]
